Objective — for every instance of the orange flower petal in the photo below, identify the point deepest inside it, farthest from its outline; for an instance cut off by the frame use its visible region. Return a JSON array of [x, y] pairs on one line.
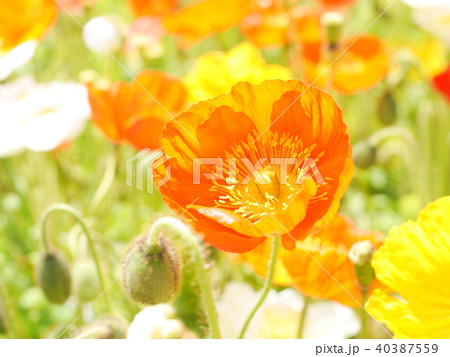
[[23, 20], [152, 7], [203, 18], [320, 266], [266, 29], [136, 112], [362, 67]]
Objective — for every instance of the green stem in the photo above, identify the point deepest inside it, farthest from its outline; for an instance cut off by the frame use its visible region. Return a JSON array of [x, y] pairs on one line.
[[363, 315], [74, 213], [188, 238], [301, 324], [266, 288], [417, 172]]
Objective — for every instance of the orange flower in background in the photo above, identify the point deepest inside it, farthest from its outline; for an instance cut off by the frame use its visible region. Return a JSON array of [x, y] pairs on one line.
[[442, 83], [203, 18], [286, 163], [126, 112], [336, 3], [23, 20], [363, 65], [267, 27], [329, 246], [152, 7]]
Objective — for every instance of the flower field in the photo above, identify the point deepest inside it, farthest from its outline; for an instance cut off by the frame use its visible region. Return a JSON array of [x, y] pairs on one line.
[[195, 169]]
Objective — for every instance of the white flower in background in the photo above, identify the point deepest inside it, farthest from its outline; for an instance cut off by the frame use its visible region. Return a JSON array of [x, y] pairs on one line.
[[40, 116], [156, 322], [279, 315], [16, 57], [426, 3], [435, 20], [100, 34]]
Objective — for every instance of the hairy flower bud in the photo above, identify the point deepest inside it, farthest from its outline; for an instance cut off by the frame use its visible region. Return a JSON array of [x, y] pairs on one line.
[[364, 155], [106, 327], [151, 269], [53, 276]]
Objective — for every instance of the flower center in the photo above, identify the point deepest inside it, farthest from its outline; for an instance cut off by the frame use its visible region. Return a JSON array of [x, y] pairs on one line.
[[264, 178]]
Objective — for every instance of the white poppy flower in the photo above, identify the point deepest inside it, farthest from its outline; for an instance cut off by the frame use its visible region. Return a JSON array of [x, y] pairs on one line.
[[426, 3], [100, 34], [155, 322], [436, 20], [278, 317], [16, 57], [40, 116]]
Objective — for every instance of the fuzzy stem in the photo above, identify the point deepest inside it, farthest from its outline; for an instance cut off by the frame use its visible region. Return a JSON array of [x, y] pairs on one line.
[[74, 213], [266, 288], [302, 321], [190, 240]]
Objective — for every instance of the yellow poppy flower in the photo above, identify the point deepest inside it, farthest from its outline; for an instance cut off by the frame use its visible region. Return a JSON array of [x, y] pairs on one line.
[[215, 73], [414, 263]]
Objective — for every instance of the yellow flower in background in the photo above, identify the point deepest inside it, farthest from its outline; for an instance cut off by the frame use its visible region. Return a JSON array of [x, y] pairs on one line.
[[215, 73], [414, 262], [432, 56], [23, 20]]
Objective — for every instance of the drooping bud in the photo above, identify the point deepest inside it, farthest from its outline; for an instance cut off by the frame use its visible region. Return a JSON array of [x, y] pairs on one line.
[[151, 269], [53, 277], [364, 154], [85, 280], [333, 23], [361, 254], [106, 327], [3, 320], [387, 110]]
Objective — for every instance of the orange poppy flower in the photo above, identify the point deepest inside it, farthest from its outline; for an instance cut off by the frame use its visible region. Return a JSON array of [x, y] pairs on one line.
[[329, 247], [361, 67], [152, 7], [442, 83], [126, 112], [23, 20], [275, 162], [202, 18], [336, 3], [267, 27]]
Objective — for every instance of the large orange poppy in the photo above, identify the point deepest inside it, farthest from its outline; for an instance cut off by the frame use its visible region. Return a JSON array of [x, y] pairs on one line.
[[286, 163], [129, 112], [202, 18], [23, 20], [357, 64], [152, 7]]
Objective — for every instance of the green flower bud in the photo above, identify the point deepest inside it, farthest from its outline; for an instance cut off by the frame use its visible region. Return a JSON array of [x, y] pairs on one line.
[[3, 320], [53, 277], [361, 254], [85, 280], [106, 327], [387, 109], [151, 272], [364, 155], [333, 23]]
